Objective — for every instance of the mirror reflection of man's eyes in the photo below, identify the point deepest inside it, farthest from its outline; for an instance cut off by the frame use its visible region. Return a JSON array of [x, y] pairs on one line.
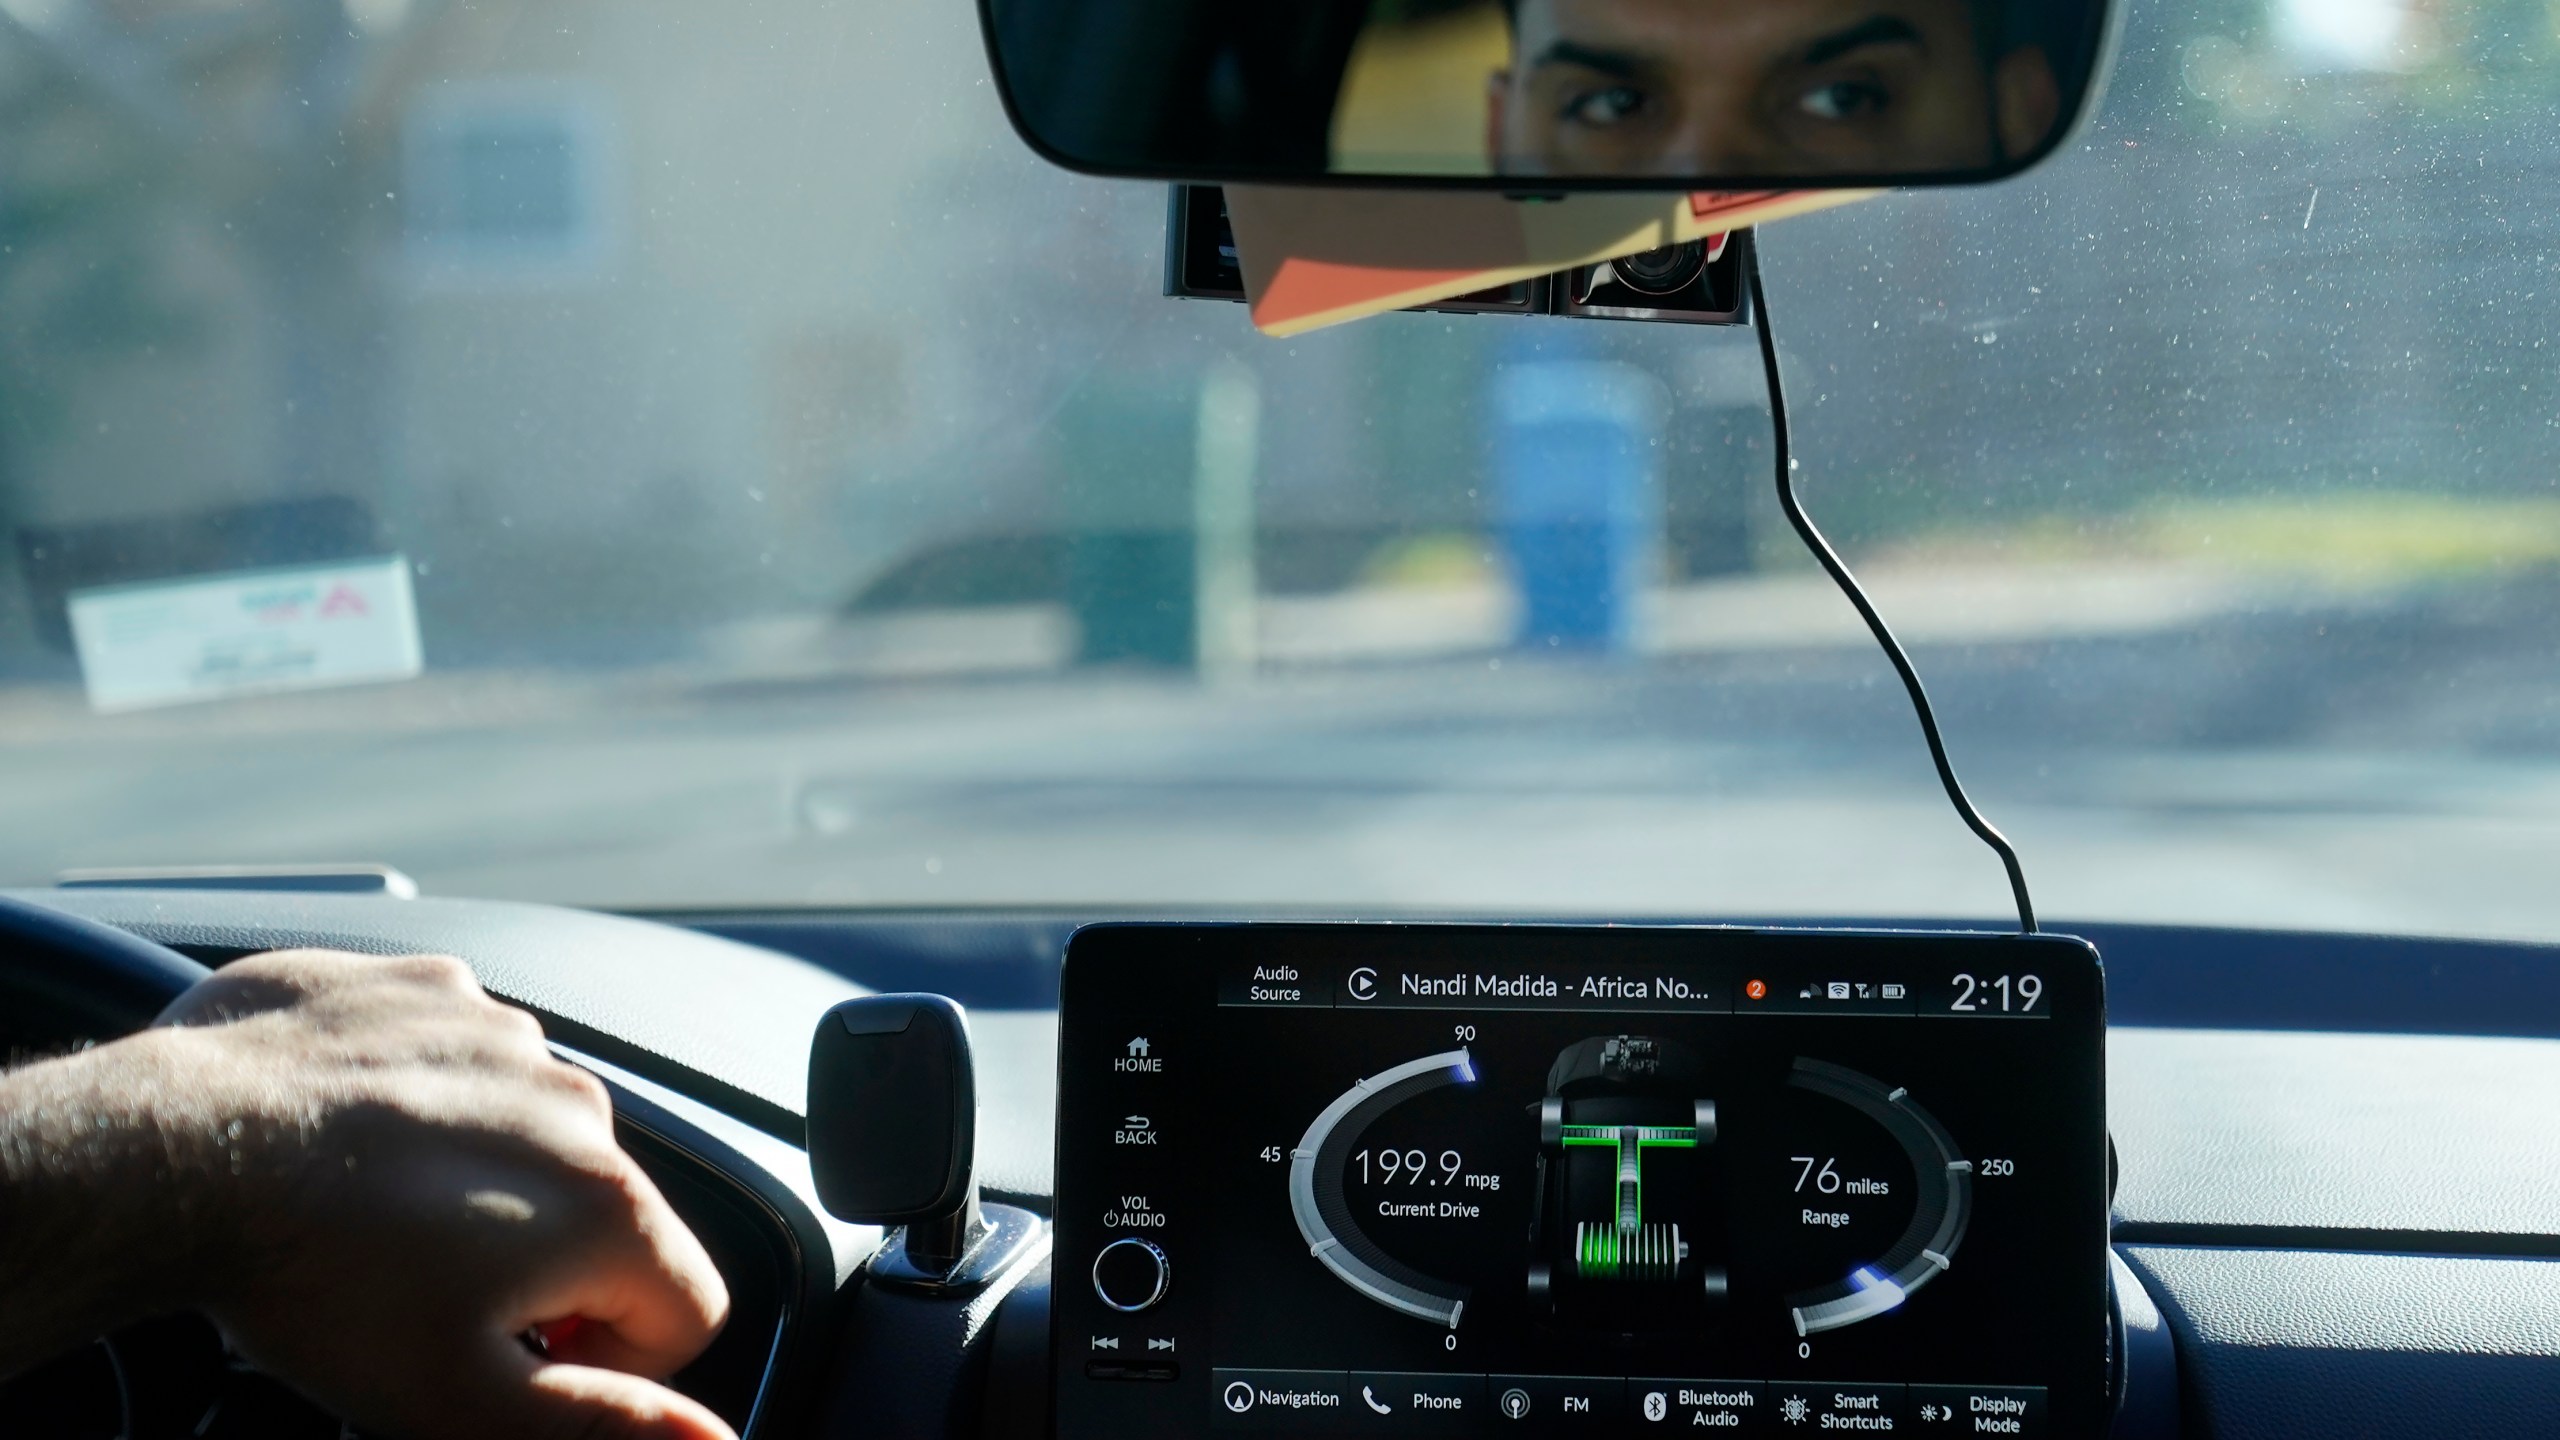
[[1743, 87], [1601, 88], [1591, 87], [1852, 75]]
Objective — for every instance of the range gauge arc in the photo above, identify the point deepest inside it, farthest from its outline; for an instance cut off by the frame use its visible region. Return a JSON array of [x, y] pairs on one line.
[[1323, 1212], [1940, 1209]]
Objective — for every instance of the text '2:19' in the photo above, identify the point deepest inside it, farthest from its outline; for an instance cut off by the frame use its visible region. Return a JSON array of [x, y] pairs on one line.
[[2001, 994]]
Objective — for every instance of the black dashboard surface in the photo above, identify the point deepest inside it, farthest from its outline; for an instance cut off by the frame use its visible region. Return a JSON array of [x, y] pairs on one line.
[[2312, 1344], [2337, 1151], [2384, 1142]]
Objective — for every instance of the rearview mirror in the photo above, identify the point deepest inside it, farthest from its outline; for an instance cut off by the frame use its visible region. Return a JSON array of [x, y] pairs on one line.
[[1549, 95]]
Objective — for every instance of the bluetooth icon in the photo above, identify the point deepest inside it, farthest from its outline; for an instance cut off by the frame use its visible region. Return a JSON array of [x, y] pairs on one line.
[[1656, 1405]]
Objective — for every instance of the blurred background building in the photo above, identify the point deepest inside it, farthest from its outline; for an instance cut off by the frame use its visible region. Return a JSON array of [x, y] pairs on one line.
[[626, 319]]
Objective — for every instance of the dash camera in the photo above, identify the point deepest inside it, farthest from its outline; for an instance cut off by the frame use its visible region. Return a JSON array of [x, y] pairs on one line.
[[1699, 283], [1667, 271]]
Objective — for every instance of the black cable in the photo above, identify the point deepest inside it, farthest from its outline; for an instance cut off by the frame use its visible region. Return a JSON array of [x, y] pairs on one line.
[[1848, 584]]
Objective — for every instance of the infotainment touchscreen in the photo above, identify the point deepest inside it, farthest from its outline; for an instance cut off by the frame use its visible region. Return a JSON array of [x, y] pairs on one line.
[[1393, 1180]]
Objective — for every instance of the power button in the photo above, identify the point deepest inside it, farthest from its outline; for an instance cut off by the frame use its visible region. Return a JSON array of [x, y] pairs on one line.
[[1130, 1275]]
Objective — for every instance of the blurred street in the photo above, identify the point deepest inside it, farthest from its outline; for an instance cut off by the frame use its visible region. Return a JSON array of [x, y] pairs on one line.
[[2248, 761]]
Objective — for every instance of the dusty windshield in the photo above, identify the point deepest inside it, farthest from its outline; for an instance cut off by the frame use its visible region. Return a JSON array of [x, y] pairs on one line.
[[693, 455]]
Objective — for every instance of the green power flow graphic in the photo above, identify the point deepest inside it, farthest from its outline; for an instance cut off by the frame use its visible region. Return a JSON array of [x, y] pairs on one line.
[[1629, 1249]]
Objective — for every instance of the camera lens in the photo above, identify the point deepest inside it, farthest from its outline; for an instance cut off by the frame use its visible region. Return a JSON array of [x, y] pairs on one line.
[[1662, 272]]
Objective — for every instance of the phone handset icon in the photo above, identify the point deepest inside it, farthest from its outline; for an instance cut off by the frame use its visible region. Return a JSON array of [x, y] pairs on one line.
[[1373, 1401]]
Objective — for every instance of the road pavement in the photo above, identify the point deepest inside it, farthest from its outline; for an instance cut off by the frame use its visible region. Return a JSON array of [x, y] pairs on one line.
[[2386, 763]]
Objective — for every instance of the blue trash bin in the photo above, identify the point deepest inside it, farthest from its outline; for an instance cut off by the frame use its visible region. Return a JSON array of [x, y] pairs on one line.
[[1578, 497]]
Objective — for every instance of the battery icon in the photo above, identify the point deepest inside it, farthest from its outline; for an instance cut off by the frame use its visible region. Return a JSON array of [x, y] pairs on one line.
[[1893, 992]]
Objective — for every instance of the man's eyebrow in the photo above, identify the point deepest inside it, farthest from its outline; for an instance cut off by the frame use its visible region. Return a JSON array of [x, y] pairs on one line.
[[1613, 63], [1882, 30]]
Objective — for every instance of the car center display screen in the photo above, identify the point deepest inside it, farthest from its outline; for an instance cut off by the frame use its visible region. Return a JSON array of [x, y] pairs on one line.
[[1390, 1180]]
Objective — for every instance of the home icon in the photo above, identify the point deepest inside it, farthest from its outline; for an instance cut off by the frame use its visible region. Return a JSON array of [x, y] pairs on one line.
[[1138, 1048], [1139, 1061]]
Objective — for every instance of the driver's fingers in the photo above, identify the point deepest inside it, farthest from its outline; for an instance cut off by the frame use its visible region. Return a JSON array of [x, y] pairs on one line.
[[576, 1402], [648, 1298], [256, 985], [516, 1395], [281, 979], [582, 1341]]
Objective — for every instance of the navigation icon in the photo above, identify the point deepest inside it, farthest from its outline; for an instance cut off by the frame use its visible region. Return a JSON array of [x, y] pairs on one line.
[[1239, 1397], [1363, 984]]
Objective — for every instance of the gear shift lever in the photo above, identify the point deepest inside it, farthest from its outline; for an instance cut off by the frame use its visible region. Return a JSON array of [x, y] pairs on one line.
[[893, 1124]]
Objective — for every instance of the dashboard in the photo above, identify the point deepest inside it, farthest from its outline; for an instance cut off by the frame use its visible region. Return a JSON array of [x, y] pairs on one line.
[[2332, 1216], [1446, 1180]]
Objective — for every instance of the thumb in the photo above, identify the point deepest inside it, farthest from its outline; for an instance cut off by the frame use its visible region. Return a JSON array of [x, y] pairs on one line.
[[579, 1402]]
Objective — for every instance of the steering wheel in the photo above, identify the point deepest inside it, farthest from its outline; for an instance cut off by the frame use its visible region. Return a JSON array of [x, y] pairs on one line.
[[63, 978]]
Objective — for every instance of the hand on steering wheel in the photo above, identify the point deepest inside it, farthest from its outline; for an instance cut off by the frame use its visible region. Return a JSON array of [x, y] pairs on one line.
[[374, 1179]]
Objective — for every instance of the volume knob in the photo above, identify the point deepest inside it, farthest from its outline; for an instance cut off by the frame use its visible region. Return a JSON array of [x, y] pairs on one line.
[[1130, 1275]]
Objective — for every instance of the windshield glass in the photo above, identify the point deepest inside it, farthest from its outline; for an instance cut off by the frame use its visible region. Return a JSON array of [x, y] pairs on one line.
[[695, 455]]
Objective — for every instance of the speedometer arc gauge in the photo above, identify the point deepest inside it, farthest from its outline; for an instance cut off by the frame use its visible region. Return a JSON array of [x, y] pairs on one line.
[[1941, 1207], [1316, 1170]]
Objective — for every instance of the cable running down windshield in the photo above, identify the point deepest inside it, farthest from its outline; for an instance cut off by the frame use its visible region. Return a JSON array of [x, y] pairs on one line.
[[1848, 583]]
